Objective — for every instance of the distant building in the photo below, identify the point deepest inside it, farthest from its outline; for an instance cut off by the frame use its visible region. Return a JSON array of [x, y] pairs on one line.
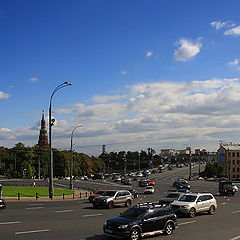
[[200, 151], [43, 138], [229, 155], [167, 152]]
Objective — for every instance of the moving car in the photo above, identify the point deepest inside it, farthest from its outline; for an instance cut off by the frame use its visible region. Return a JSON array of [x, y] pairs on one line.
[[171, 197], [96, 194], [2, 204], [227, 188], [150, 182], [181, 184], [142, 183], [149, 189], [112, 198], [134, 192], [193, 203], [142, 220]]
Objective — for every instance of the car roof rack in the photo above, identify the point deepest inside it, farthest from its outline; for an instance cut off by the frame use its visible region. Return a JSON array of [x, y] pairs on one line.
[[151, 204]]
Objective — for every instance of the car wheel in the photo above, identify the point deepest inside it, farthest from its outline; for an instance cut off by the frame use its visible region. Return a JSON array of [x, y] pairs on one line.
[[110, 205], [128, 203], [168, 229], [211, 210], [192, 212], [135, 234]]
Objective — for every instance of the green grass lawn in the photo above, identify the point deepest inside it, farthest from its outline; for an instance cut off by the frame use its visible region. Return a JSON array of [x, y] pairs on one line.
[[12, 191]]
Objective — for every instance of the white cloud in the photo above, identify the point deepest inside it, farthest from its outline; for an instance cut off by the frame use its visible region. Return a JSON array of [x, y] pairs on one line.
[[195, 112], [33, 79], [123, 72], [187, 49], [149, 53], [4, 95], [218, 24], [233, 31], [235, 63]]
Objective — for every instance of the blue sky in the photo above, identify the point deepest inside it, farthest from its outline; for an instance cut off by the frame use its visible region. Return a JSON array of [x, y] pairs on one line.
[[141, 70]]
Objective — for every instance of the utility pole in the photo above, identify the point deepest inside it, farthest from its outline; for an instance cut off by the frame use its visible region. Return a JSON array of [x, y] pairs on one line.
[[39, 168]]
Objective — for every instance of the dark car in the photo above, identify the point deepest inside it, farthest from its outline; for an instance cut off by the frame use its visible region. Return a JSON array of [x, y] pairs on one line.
[[134, 192], [142, 220], [143, 183], [227, 188], [171, 197], [181, 184], [2, 203]]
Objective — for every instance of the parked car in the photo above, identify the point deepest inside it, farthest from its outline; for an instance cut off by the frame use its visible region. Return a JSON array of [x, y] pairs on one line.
[[193, 203], [142, 220], [171, 197], [2, 204], [149, 189], [153, 171], [134, 192], [127, 181], [175, 183], [112, 198], [96, 194], [139, 174]]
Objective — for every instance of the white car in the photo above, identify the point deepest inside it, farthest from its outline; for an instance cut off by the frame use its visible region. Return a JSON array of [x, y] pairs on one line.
[[149, 189], [192, 203]]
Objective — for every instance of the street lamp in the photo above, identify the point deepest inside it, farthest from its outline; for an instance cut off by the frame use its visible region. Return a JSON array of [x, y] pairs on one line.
[[71, 166], [51, 123]]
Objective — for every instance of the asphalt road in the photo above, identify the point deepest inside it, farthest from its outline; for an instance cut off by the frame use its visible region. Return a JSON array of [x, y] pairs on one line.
[[78, 220]]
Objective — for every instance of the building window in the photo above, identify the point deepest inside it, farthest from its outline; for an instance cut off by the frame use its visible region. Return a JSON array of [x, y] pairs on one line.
[[237, 154], [233, 162], [238, 162], [238, 169], [233, 169], [233, 154]]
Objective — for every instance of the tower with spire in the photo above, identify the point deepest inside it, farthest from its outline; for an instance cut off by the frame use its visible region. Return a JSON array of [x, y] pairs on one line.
[[43, 138]]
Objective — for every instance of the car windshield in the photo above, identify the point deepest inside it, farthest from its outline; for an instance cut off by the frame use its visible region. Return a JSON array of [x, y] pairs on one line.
[[149, 187], [188, 198], [109, 193], [172, 195], [134, 213]]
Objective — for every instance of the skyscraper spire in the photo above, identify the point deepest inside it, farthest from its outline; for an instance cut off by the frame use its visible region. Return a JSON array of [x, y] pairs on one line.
[[43, 138]]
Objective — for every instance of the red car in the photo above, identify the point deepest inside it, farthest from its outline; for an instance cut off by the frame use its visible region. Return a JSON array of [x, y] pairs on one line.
[[150, 182], [96, 194]]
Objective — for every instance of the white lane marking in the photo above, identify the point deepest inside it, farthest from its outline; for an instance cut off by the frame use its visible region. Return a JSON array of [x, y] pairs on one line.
[[238, 211], [223, 203], [93, 215], [64, 211], [235, 238], [184, 223], [30, 208], [35, 204], [5, 223], [34, 231]]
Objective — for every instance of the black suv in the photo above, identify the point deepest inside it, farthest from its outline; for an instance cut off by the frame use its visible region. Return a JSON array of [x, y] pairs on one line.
[[142, 220]]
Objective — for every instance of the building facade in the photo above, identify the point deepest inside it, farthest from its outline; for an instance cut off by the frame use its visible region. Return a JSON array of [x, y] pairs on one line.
[[229, 155]]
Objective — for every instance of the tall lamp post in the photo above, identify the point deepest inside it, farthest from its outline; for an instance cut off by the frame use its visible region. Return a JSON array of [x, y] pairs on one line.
[[71, 166], [51, 123]]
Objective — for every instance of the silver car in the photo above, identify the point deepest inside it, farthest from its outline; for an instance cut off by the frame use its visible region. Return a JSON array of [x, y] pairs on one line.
[[193, 203]]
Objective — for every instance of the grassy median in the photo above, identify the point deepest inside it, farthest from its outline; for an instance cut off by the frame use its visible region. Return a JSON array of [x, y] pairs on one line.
[[12, 191]]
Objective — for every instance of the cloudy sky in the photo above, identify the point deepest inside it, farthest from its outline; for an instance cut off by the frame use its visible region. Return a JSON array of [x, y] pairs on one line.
[[160, 74]]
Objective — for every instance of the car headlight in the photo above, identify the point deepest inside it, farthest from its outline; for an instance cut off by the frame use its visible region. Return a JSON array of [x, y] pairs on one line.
[[105, 223], [122, 226], [185, 206]]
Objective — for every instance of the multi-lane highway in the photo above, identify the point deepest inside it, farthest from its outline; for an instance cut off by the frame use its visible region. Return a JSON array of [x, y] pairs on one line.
[[78, 220]]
